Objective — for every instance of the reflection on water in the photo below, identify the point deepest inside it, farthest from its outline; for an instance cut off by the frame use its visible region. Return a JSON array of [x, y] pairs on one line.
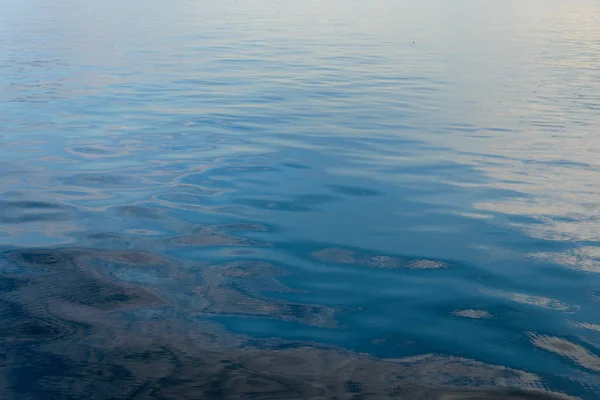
[[312, 199], [344, 256], [71, 331]]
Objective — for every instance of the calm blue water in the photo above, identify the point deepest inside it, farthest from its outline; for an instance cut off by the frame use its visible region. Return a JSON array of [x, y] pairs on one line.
[[299, 199]]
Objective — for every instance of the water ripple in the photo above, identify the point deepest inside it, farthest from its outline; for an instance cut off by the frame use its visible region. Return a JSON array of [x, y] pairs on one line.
[[311, 199]]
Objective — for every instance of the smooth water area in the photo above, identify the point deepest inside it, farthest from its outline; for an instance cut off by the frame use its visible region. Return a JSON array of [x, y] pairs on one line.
[[350, 199]]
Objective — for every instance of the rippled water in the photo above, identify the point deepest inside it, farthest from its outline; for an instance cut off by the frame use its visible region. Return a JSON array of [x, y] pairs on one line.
[[299, 199]]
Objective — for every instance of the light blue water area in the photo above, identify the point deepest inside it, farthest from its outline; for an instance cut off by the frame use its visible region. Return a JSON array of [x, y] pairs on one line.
[[299, 199]]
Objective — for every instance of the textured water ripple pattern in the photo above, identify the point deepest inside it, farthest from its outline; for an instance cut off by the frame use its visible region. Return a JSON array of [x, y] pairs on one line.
[[299, 199]]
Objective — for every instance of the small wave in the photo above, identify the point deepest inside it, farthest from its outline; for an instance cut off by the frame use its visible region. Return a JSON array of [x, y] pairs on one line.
[[538, 301], [347, 256], [572, 351]]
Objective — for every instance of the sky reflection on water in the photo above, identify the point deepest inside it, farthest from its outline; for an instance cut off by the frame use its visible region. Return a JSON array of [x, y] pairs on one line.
[[299, 199]]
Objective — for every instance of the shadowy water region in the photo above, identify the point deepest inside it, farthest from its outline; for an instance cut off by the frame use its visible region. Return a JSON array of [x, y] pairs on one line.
[[320, 200]]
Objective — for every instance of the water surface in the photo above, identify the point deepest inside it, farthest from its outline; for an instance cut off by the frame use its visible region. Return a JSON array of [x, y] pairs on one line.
[[299, 199]]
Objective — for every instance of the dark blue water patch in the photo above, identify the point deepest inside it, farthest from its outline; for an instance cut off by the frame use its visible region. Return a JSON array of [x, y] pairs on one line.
[[558, 273], [94, 293], [30, 330], [73, 263], [354, 190], [295, 165], [101, 180], [9, 284], [317, 199], [42, 259], [35, 367], [100, 239], [263, 328], [273, 205], [23, 211], [94, 151]]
